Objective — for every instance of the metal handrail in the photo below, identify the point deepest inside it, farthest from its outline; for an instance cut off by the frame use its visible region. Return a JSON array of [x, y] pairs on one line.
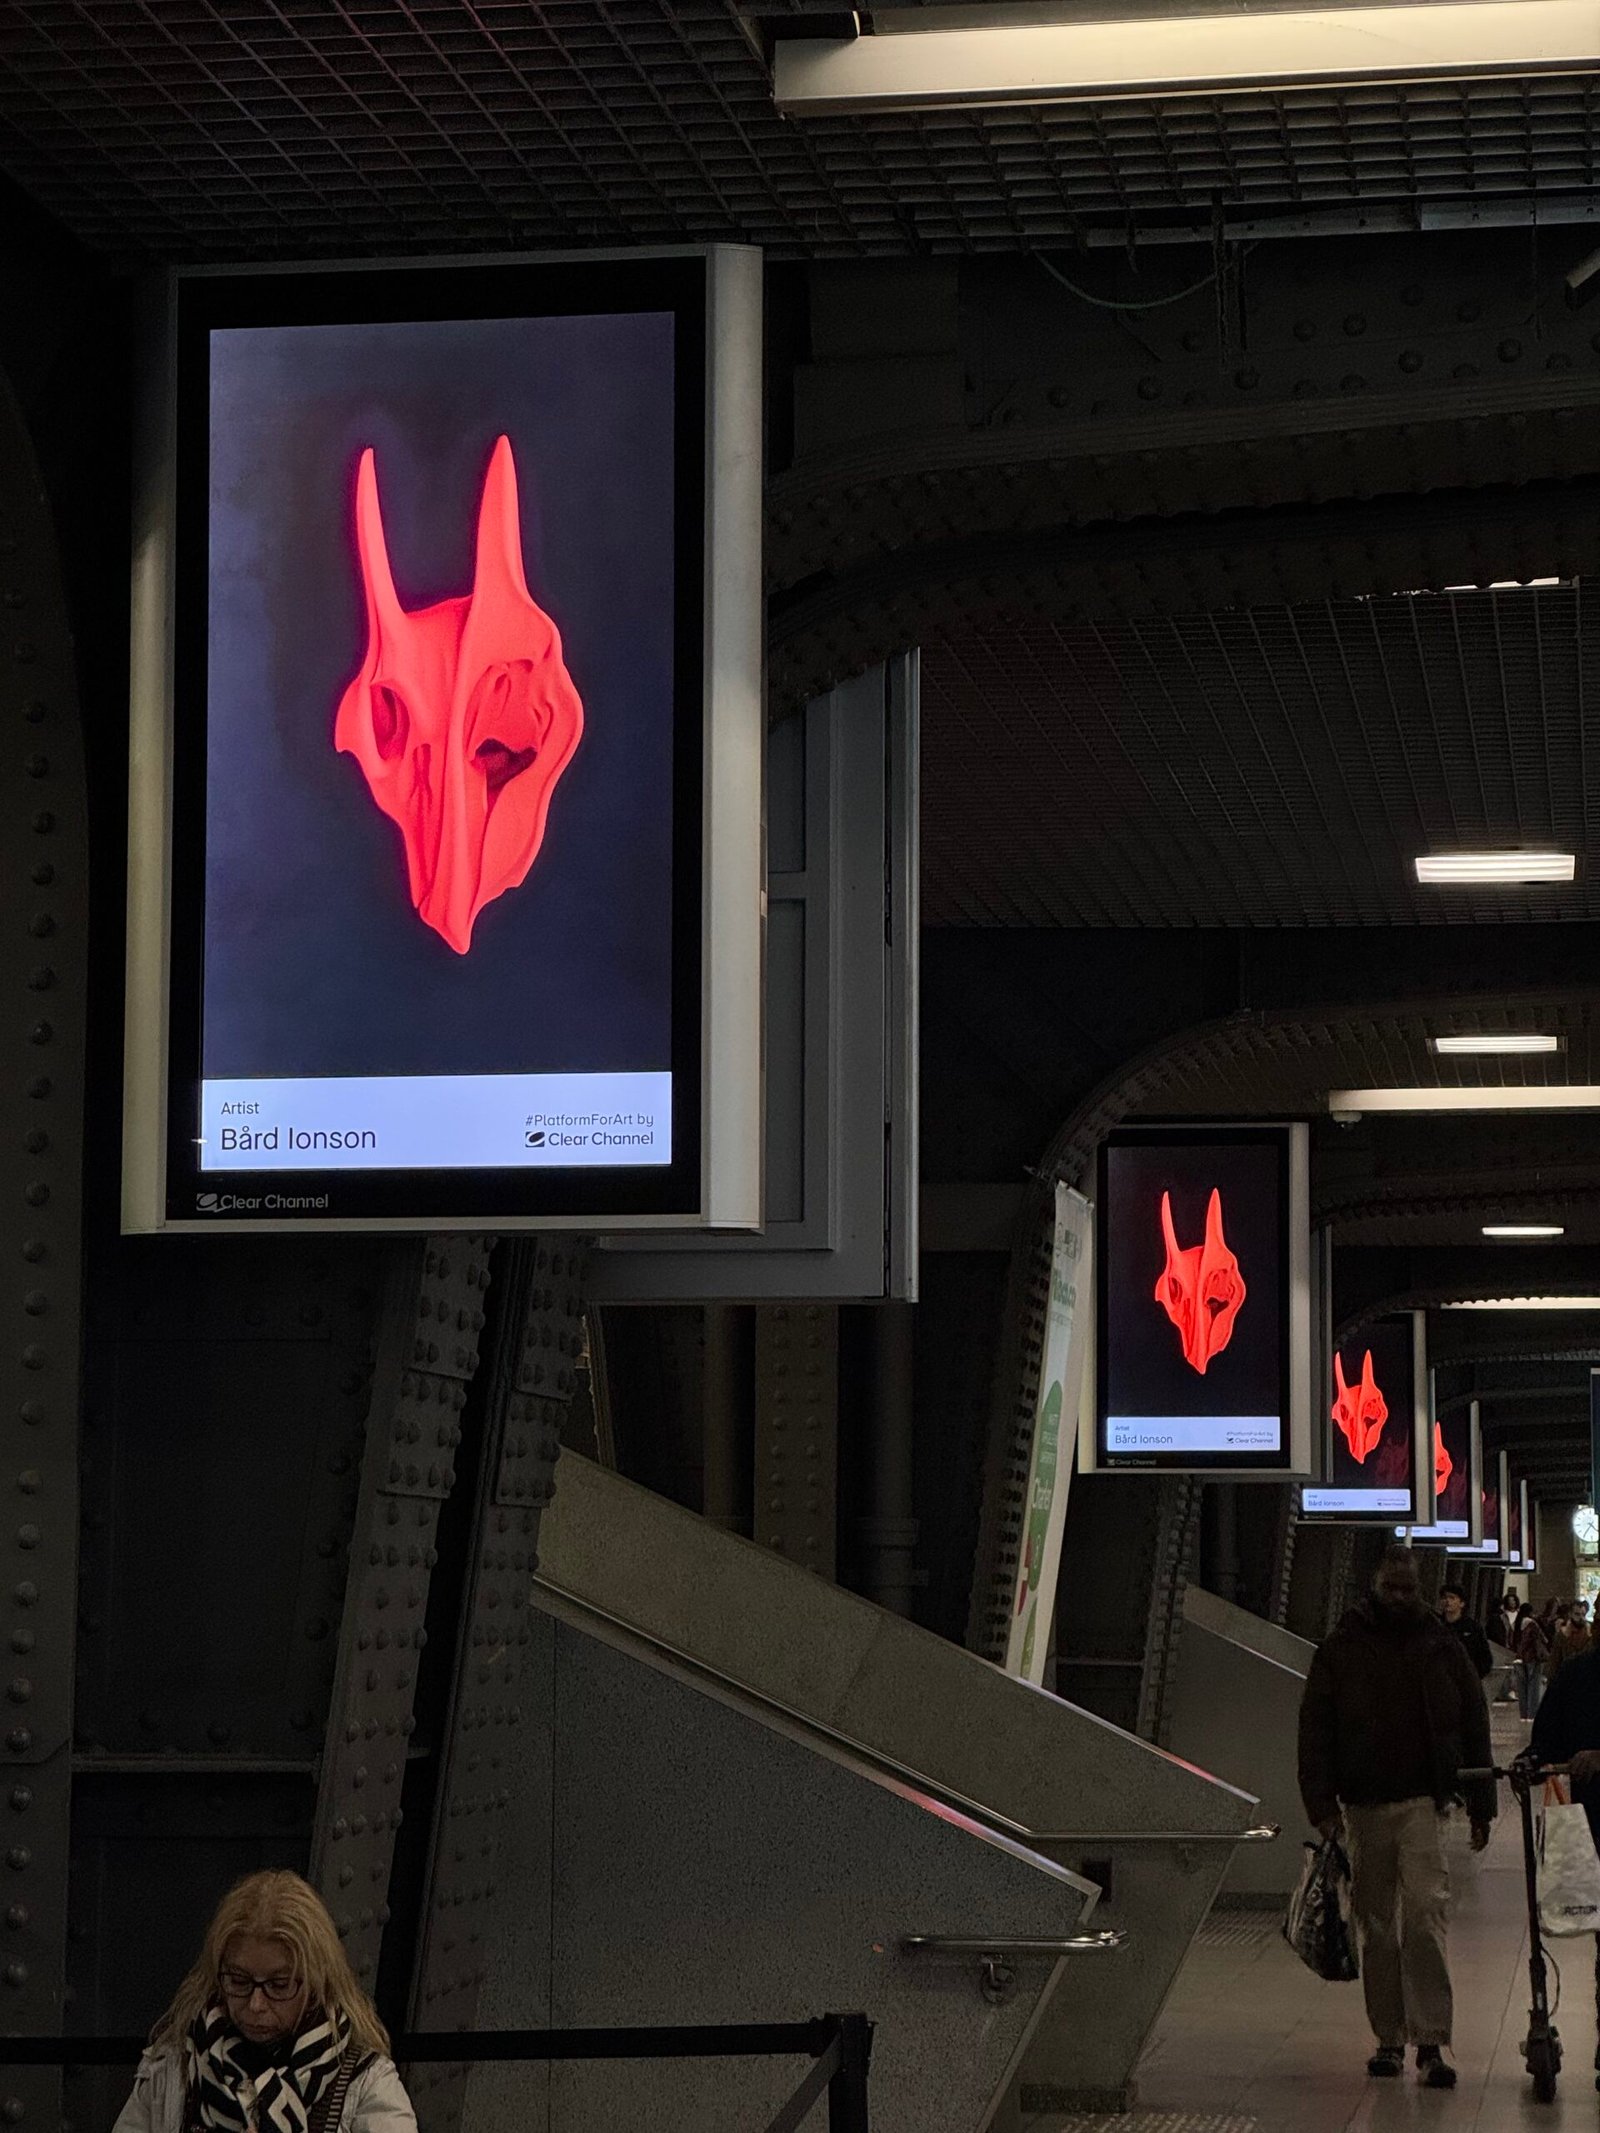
[[1262, 1833], [1003, 1944]]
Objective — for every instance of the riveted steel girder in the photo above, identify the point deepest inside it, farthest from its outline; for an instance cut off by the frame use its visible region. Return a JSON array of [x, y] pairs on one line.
[[43, 920], [427, 1352], [532, 1372]]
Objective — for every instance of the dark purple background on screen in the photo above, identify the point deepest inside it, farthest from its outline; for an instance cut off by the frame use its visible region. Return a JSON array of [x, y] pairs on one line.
[[316, 963]]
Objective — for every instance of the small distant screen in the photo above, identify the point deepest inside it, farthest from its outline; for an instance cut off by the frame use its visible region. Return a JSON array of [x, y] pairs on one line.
[[1194, 1300], [1452, 1474], [1372, 1428]]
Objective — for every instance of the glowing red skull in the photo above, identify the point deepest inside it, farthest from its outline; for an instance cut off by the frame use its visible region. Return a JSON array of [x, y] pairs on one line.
[[1201, 1288], [1360, 1410], [463, 715], [1443, 1465]]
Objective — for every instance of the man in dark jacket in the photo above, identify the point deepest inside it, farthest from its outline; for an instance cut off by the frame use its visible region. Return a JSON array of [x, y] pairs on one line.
[[1453, 1614], [1567, 1730], [1393, 1713]]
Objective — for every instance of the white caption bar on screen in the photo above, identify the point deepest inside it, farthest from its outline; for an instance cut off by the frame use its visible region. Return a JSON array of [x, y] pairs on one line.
[[1193, 1433], [437, 1122], [1313, 1500]]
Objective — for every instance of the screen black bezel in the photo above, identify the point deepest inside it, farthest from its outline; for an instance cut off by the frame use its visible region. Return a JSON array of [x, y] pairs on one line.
[[512, 289], [1188, 1135]]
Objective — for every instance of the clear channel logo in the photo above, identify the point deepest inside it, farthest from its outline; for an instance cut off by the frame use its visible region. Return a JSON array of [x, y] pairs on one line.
[[272, 1203]]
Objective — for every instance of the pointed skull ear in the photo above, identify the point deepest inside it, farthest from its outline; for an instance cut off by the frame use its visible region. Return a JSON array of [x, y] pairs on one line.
[[498, 571], [384, 613], [1339, 1377], [1167, 1230], [1369, 1382], [1214, 1237]]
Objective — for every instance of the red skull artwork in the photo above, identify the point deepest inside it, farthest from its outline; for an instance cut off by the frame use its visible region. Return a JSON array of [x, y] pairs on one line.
[[1443, 1465], [463, 715], [1360, 1410], [1201, 1288]]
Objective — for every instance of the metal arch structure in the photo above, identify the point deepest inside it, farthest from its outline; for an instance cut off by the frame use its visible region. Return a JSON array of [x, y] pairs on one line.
[[1090, 457], [1269, 1061], [43, 978]]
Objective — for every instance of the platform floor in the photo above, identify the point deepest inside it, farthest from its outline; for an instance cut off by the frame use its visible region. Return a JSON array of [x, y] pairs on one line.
[[1252, 2043]]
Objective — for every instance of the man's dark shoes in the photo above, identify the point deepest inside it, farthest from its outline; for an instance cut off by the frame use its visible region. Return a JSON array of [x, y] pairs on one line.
[[1388, 2062], [1433, 2068]]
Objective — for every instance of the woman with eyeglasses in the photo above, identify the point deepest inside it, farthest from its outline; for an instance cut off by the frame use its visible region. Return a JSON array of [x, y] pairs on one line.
[[269, 2032]]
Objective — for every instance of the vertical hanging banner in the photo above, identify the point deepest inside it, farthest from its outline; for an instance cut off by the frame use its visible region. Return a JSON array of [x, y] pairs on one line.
[[1050, 1466]]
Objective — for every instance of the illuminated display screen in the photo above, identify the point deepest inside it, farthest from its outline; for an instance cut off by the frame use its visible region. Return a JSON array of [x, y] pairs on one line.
[[1455, 1464], [438, 743], [1372, 1428], [1513, 1515], [1490, 1545], [1193, 1299]]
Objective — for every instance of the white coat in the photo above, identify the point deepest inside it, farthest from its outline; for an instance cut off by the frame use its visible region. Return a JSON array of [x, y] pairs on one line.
[[376, 2101]]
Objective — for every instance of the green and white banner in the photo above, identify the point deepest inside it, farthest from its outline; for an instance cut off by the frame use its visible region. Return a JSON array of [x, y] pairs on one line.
[[1066, 1339]]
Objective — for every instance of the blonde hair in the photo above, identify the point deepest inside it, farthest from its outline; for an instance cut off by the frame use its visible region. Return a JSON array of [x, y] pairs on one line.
[[276, 1906]]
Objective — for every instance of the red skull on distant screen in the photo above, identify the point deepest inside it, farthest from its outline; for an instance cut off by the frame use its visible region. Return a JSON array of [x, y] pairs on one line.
[[1443, 1465], [463, 715], [1360, 1410], [1201, 1288]]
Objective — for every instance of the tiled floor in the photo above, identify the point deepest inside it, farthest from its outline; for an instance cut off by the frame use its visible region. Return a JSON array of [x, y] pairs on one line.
[[1252, 2043]]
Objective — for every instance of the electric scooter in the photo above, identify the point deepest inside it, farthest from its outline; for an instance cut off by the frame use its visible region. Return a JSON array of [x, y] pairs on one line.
[[1541, 2048]]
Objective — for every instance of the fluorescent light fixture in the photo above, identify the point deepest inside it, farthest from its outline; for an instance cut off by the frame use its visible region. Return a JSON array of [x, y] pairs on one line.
[[1525, 1303], [1524, 1229], [1494, 1044], [1559, 1096], [928, 58], [1502, 870]]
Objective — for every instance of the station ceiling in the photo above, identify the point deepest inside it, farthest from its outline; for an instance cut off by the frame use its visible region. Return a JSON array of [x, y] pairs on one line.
[[223, 127], [1279, 766]]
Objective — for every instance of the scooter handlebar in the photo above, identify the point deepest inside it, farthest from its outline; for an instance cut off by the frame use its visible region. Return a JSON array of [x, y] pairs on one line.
[[1536, 1773]]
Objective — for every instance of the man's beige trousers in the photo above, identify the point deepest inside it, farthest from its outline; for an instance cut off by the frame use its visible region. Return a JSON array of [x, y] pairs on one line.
[[1400, 1901]]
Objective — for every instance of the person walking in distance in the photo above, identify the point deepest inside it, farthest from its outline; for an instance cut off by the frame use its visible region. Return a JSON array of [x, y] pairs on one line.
[[1393, 1712], [1531, 1650], [1453, 1614]]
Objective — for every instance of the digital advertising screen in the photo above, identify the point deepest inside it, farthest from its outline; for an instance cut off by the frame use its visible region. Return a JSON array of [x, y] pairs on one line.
[[1514, 1524], [1458, 1471], [1381, 1460], [462, 902], [1203, 1300], [1490, 1546]]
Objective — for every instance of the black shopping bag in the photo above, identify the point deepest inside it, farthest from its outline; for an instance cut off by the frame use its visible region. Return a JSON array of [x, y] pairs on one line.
[[1317, 1925]]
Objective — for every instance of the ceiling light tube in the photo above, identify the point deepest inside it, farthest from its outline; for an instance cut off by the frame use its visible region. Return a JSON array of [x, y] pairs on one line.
[[1526, 1303], [927, 58], [1457, 870], [1524, 1229], [1559, 1096], [1493, 1044]]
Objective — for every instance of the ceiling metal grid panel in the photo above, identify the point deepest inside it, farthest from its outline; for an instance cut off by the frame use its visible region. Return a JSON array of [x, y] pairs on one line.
[[188, 128], [1259, 767]]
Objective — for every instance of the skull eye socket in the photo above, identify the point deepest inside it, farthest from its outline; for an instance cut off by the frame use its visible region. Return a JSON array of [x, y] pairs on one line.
[[391, 722], [500, 763]]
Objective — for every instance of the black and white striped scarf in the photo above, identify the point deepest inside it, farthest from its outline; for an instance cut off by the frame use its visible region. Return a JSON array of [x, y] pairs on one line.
[[278, 2099]]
